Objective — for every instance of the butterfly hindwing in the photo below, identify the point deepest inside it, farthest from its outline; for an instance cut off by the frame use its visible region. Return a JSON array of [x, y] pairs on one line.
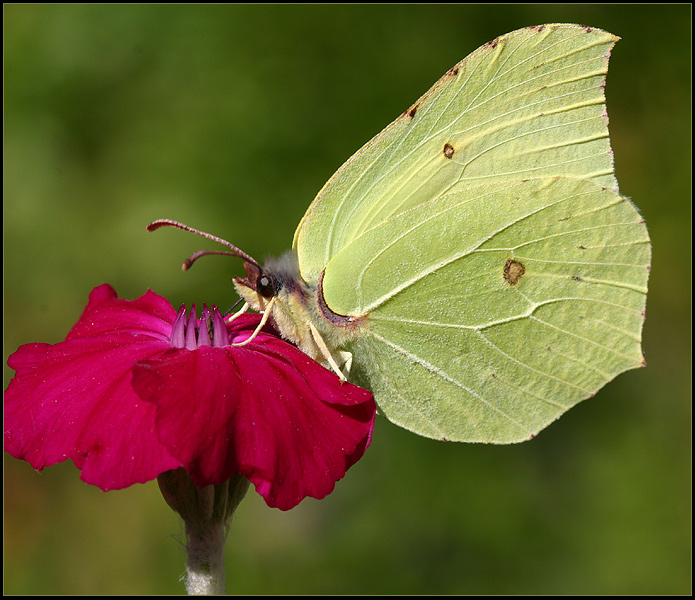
[[479, 324]]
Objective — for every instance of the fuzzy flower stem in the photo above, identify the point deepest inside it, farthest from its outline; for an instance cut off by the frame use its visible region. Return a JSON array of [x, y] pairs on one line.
[[206, 513], [205, 549]]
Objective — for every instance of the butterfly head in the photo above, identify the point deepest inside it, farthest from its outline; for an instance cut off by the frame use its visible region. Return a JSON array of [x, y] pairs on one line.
[[292, 309], [279, 277]]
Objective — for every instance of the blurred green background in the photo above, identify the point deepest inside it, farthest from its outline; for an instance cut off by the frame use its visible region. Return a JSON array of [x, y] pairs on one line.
[[230, 118]]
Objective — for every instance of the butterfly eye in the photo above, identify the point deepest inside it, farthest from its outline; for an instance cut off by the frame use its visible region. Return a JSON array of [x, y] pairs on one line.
[[265, 287]]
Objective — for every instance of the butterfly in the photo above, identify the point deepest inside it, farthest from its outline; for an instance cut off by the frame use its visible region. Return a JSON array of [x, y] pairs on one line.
[[474, 264]]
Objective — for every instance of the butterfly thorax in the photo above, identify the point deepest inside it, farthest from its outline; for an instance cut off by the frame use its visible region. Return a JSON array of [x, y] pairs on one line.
[[295, 305]]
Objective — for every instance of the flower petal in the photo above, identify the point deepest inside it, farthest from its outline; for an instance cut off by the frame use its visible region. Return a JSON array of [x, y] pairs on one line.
[[150, 315], [265, 410], [75, 400]]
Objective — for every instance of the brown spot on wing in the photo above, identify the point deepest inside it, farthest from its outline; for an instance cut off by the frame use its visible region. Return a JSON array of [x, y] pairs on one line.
[[513, 271]]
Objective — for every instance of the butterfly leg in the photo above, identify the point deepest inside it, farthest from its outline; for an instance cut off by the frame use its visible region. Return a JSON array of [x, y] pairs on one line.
[[325, 351], [230, 318], [264, 320]]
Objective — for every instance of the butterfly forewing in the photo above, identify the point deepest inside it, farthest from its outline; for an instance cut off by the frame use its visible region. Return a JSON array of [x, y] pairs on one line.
[[529, 104]]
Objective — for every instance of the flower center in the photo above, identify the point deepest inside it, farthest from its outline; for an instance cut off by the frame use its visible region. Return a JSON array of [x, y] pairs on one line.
[[190, 332]]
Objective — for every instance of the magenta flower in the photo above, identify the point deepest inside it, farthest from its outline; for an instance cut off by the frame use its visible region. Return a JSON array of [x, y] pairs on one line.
[[137, 389]]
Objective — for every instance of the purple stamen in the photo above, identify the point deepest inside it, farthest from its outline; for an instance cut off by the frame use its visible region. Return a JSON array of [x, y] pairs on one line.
[[204, 327], [190, 332]]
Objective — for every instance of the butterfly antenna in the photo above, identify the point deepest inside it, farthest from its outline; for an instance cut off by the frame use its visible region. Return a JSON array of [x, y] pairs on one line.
[[196, 255]]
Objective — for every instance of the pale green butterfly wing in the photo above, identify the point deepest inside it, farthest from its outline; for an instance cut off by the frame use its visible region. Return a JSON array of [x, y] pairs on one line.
[[488, 312], [494, 274], [528, 104]]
